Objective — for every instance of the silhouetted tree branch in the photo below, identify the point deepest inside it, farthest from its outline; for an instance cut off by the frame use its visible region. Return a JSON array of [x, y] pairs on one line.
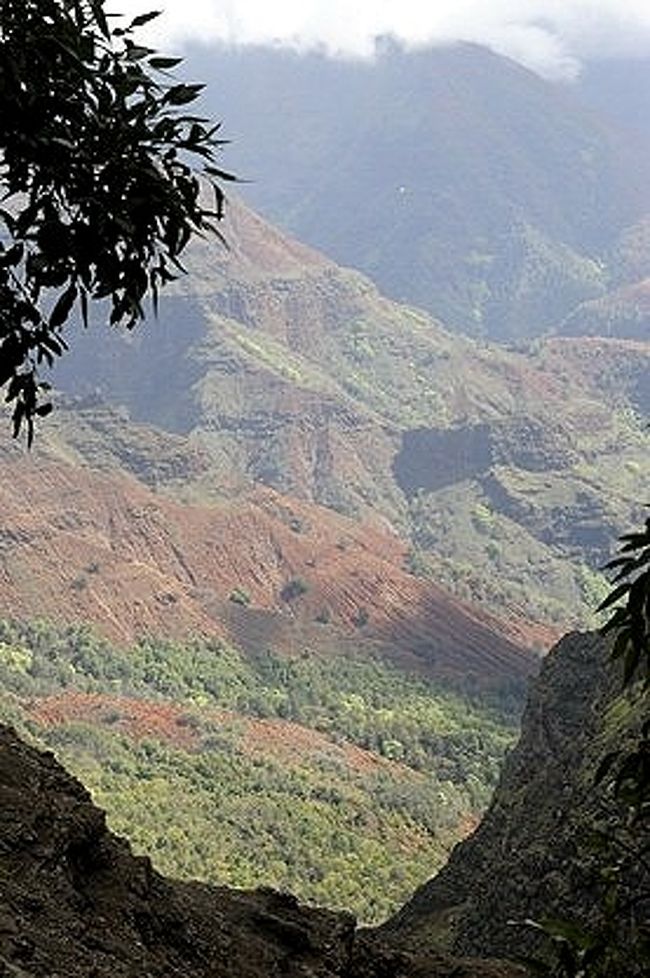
[[99, 188]]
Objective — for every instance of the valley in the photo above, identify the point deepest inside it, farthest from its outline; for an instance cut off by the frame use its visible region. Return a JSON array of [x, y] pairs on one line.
[[283, 565], [507, 473], [195, 750]]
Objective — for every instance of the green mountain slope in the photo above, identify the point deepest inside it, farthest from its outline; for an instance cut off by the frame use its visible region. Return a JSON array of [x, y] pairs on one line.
[[510, 473], [342, 779]]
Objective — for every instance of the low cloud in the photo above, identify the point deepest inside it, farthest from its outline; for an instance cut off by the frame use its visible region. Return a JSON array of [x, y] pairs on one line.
[[552, 37]]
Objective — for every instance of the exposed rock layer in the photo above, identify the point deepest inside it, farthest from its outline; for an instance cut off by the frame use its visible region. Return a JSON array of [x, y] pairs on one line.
[[136, 562]]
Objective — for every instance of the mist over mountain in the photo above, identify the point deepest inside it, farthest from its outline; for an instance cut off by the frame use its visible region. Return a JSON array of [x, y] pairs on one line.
[[458, 180], [619, 90], [557, 41]]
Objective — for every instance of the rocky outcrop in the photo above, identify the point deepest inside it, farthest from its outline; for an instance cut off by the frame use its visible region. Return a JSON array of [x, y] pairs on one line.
[[433, 458], [531, 856], [75, 903]]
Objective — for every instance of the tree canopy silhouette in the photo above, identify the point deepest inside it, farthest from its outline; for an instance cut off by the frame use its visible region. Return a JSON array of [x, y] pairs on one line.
[[100, 179]]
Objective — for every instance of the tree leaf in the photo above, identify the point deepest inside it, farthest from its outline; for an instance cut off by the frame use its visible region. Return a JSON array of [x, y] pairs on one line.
[[63, 307], [143, 19]]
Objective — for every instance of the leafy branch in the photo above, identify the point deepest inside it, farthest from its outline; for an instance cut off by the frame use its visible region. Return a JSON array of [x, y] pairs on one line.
[[103, 173]]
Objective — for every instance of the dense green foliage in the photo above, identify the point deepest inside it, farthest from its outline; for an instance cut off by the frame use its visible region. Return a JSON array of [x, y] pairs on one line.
[[238, 803], [630, 621], [99, 196]]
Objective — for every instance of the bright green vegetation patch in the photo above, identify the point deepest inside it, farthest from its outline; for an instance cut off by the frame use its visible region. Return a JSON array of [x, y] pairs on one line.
[[220, 796], [359, 841]]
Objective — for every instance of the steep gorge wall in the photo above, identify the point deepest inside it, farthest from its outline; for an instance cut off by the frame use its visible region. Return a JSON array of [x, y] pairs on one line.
[[530, 856]]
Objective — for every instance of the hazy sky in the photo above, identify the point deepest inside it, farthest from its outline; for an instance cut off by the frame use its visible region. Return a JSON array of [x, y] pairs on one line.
[[551, 36]]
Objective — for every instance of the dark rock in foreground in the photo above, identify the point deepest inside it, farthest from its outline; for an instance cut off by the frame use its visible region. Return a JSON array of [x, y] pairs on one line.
[[531, 856], [75, 903]]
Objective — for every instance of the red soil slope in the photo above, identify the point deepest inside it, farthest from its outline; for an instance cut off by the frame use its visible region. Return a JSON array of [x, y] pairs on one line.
[[78, 544], [167, 722]]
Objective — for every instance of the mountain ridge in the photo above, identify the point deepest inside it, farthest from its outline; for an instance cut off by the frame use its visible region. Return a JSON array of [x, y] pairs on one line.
[[311, 382], [457, 179]]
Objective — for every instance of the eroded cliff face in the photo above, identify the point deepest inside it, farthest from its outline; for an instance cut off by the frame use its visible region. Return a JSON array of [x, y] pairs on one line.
[[530, 857], [511, 473], [75, 903]]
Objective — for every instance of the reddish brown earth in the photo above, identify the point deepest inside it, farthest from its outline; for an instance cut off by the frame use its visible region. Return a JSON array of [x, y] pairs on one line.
[[292, 743], [77, 544], [140, 718]]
